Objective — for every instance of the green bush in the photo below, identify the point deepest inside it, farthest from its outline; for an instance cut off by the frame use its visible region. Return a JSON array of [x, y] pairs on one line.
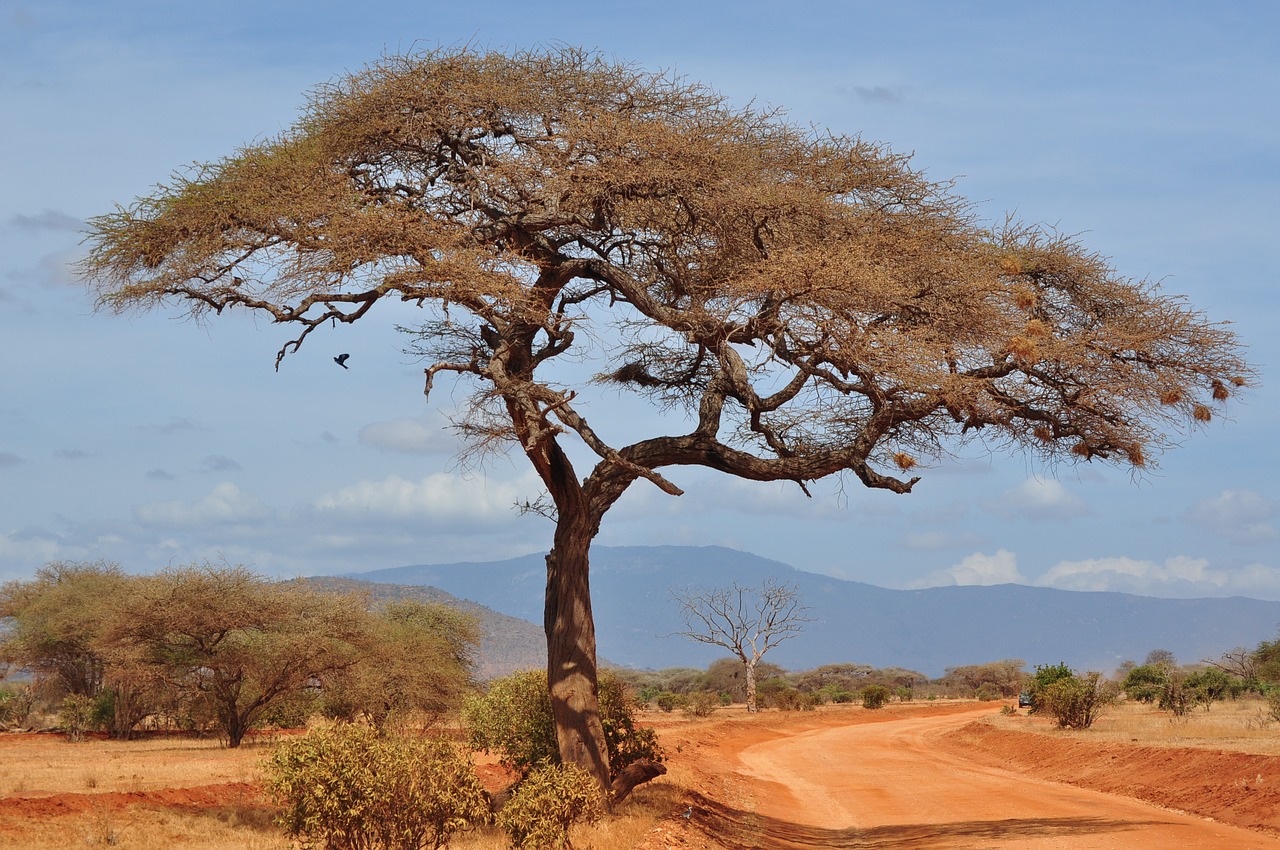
[[1212, 685], [1177, 696], [547, 803], [1045, 676], [514, 721], [667, 701], [349, 788], [988, 692], [1076, 701], [875, 696], [1146, 683]]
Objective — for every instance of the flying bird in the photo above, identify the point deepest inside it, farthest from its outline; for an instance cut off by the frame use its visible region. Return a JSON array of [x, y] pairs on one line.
[[341, 360]]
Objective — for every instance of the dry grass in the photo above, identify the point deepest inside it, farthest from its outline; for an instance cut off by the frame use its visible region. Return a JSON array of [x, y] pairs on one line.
[[1242, 725], [48, 764], [37, 770], [141, 828]]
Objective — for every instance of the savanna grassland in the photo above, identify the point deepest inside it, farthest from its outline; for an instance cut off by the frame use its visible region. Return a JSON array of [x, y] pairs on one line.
[[164, 792]]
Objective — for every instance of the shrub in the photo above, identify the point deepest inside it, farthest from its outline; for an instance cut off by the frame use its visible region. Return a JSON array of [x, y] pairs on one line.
[[1177, 696], [549, 801], [514, 720], [75, 716], [789, 699], [668, 701], [702, 704], [1146, 683], [1212, 685], [1076, 701], [875, 696], [1045, 676], [349, 788], [988, 692], [1273, 704], [16, 703]]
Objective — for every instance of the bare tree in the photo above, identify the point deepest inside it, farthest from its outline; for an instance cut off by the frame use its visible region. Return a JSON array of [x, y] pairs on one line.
[[746, 621], [1240, 662], [802, 304]]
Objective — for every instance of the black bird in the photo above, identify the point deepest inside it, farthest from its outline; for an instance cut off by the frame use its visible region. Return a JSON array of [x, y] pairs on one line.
[[341, 360]]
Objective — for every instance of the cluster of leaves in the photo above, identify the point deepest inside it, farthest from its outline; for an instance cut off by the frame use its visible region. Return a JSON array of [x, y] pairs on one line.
[[350, 788], [210, 646], [549, 801], [513, 719]]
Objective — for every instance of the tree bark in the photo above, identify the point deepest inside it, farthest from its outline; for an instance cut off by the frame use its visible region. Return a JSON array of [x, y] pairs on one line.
[[750, 669], [571, 651]]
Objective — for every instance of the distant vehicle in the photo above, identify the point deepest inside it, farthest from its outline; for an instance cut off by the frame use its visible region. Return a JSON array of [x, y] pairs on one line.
[[1025, 700]]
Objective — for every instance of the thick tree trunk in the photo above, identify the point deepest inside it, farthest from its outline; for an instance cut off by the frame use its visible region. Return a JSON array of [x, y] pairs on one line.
[[571, 651]]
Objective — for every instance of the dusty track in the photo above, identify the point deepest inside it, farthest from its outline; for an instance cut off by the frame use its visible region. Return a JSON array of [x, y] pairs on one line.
[[907, 782]]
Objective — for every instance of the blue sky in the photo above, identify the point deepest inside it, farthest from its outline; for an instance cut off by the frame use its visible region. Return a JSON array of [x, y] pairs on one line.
[[1149, 129]]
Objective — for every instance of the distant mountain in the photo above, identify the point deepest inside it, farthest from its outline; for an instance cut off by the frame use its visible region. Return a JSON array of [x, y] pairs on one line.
[[926, 630]]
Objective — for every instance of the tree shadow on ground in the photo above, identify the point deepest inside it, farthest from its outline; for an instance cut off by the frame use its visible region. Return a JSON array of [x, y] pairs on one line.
[[741, 830]]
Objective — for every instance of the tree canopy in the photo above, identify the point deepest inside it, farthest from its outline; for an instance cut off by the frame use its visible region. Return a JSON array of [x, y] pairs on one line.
[[809, 302]]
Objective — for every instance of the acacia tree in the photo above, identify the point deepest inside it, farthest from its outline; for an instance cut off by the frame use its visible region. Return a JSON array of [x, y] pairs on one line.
[[746, 621], [236, 642], [811, 303]]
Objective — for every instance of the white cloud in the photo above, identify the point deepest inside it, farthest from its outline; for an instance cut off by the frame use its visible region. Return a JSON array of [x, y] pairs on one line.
[[437, 496], [1128, 574], [226, 503], [977, 569], [1179, 576], [1040, 499], [409, 436], [1241, 516]]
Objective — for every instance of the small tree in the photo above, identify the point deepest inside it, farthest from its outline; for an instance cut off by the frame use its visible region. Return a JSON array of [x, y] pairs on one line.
[[1076, 701], [745, 621], [414, 656], [1146, 683]]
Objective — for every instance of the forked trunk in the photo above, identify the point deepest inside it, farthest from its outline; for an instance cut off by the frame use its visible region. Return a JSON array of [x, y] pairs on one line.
[[571, 652]]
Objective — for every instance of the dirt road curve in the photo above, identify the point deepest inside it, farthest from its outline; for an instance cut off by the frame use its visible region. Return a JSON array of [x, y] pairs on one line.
[[882, 785]]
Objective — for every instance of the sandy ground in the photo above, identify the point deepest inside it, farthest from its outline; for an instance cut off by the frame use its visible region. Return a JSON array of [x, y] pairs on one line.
[[926, 778]]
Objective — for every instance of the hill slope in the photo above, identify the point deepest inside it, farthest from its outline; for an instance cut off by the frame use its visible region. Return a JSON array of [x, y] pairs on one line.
[[926, 630]]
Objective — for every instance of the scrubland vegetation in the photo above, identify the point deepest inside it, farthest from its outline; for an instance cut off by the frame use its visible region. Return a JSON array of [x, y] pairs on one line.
[[168, 687]]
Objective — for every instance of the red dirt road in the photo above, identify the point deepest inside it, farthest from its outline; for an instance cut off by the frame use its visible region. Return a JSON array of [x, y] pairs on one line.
[[894, 784]]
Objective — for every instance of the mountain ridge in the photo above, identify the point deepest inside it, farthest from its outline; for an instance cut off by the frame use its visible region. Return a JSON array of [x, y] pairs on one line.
[[927, 629]]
